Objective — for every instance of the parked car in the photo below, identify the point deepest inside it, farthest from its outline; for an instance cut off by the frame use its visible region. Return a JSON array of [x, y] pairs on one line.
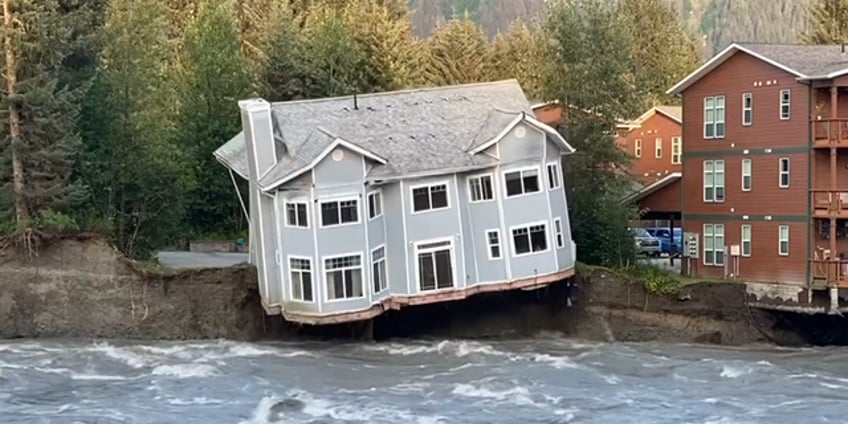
[[669, 245], [646, 244]]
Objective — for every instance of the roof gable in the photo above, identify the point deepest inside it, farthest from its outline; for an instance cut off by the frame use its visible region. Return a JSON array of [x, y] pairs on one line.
[[533, 122], [653, 187], [675, 113]]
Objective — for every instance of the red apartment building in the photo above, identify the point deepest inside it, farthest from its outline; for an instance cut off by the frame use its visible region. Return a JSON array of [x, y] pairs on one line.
[[765, 165]]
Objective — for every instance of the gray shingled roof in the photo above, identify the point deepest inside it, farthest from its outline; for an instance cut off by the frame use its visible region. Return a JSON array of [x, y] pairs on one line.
[[675, 112], [809, 60], [416, 131]]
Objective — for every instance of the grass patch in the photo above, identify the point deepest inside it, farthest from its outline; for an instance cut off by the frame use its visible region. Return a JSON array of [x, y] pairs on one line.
[[655, 279]]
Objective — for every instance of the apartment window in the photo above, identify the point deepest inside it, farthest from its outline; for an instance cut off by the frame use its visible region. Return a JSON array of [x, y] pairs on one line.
[[714, 244], [784, 104], [429, 198], [520, 182], [435, 265], [375, 204], [676, 150], [784, 172], [301, 279], [747, 109], [560, 240], [553, 176], [296, 215], [783, 240], [480, 188], [493, 239], [713, 181], [378, 269], [714, 117], [746, 240], [637, 148], [658, 148], [746, 175], [339, 212], [529, 239], [344, 277]]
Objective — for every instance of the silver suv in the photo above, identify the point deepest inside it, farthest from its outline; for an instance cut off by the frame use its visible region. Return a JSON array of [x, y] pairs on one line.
[[646, 244]]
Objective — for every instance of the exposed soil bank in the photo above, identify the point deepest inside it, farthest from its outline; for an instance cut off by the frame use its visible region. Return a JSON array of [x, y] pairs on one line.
[[86, 289]]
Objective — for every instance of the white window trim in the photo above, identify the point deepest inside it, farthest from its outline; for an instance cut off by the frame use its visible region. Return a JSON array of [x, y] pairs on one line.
[[468, 187], [742, 240], [677, 142], [541, 181], [286, 203], [714, 186], [557, 175], [339, 200], [559, 237], [788, 105], [431, 250], [780, 172], [324, 277], [658, 148], [637, 148], [528, 225], [780, 240], [715, 248], [368, 204], [385, 264], [706, 122], [489, 245], [445, 183], [724, 116], [311, 271], [749, 174], [747, 109]]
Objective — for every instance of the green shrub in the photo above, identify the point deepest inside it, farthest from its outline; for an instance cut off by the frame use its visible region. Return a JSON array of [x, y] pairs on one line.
[[655, 279], [56, 222]]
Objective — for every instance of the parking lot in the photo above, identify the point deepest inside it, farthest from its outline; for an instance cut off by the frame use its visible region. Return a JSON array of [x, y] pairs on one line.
[[663, 262]]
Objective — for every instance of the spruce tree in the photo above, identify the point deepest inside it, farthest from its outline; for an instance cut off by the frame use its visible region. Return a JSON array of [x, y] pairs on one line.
[[456, 54], [828, 22], [521, 53]]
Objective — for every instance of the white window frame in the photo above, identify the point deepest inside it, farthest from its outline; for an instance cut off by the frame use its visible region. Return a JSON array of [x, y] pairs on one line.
[[490, 245], [717, 247], [781, 240], [676, 150], [419, 250], [747, 109], [714, 185], [553, 176], [296, 202], [747, 163], [715, 120], [539, 181], [430, 186], [637, 148], [527, 226], [377, 197], [781, 172], [326, 280], [384, 283], [785, 104], [745, 240], [312, 275], [559, 238], [339, 200], [658, 148], [480, 177]]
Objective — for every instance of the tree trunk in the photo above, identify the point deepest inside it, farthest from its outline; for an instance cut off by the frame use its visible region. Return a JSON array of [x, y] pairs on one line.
[[21, 211]]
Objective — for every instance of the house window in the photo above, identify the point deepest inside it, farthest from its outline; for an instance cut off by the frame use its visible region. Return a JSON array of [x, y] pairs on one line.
[[553, 176], [375, 204], [747, 109], [344, 277], [713, 181], [714, 244], [521, 182], [339, 212], [560, 241], [746, 240], [658, 148], [784, 104], [435, 265], [480, 188], [714, 117], [301, 279], [783, 240], [378, 269], [637, 148], [746, 175], [430, 198], [493, 238], [676, 150], [784, 173], [529, 239], [296, 215]]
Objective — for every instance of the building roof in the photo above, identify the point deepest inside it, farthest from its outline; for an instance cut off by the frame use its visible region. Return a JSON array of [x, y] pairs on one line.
[[652, 188], [408, 132], [802, 60], [672, 112]]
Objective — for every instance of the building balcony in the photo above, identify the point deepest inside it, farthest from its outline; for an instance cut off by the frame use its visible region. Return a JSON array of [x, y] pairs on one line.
[[829, 133], [830, 203], [830, 272]]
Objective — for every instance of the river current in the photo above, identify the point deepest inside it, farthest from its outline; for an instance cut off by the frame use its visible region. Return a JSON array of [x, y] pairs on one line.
[[546, 379]]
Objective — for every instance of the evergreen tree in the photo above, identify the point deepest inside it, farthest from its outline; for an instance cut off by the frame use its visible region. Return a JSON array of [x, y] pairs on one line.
[[332, 63], [282, 65], [214, 76], [521, 53], [456, 54], [828, 22]]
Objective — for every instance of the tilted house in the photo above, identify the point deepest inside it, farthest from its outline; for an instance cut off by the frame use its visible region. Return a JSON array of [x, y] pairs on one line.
[[361, 204]]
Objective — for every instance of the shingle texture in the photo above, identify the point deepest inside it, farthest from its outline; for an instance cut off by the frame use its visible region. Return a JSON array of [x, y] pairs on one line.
[[674, 111], [810, 60]]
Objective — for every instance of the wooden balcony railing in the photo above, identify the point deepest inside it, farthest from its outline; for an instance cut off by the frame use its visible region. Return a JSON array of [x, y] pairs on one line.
[[830, 203], [832, 272], [830, 132]]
